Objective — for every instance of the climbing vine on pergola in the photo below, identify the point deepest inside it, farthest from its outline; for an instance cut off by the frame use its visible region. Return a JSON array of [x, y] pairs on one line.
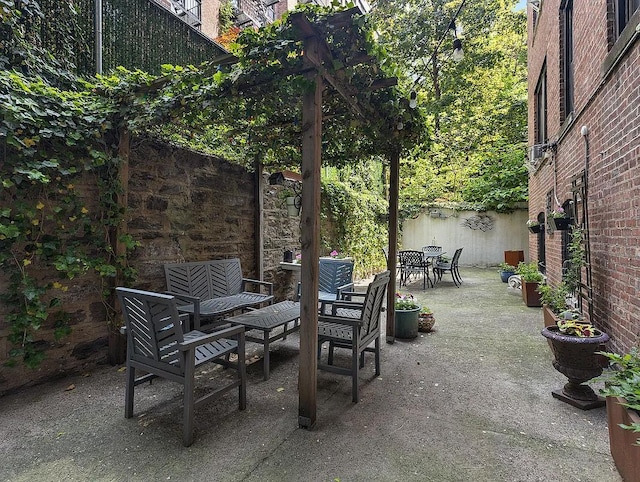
[[252, 101]]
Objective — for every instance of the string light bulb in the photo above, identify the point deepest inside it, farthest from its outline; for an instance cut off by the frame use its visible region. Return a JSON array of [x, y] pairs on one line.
[[413, 99], [458, 53]]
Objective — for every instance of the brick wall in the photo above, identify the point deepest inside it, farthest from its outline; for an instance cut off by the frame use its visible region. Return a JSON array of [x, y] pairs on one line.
[[609, 107], [183, 206]]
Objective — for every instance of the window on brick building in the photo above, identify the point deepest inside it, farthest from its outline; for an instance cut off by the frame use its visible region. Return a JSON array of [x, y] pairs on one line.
[[624, 9], [541, 107], [566, 60]]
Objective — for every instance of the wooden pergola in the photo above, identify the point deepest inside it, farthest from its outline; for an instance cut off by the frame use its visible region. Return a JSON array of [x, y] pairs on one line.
[[325, 65], [319, 60]]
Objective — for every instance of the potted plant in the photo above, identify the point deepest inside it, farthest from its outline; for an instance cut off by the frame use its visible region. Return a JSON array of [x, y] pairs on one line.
[[534, 226], [560, 219], [575, 345], [506, 271], [426, 320], [622, 389], [554, 301], [531, 278], [292, 201], [406, 316]]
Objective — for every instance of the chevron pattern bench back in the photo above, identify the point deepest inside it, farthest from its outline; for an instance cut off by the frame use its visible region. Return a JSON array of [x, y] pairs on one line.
[[205, 279]]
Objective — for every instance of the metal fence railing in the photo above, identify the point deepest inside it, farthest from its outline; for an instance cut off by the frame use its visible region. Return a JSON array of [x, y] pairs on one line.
[[136, 34]]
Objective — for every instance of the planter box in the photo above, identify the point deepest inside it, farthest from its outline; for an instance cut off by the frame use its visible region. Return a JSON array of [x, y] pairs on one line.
[[535, 229], [625, 454], [513, 257], [530, 294]]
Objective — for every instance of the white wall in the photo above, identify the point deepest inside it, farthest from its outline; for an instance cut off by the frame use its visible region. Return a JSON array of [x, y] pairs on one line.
[[503, 232]]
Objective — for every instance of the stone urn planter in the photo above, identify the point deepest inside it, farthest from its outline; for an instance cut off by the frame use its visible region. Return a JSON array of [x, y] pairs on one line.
[[576, 358], [407, 323], [624, 449]]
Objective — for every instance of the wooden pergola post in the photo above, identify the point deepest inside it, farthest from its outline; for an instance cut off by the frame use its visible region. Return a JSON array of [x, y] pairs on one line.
[[259, 219], [310, 240], [394, 189]]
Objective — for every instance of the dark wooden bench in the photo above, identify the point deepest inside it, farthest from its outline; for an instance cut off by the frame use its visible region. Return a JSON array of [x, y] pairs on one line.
[[209, 290]]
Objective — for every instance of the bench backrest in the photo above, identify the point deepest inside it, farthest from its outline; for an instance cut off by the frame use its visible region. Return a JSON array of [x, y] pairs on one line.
[[205, 279], [333, 273]]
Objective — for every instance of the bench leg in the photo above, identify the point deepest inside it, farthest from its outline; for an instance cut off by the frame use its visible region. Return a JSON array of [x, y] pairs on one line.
[[265, 361]]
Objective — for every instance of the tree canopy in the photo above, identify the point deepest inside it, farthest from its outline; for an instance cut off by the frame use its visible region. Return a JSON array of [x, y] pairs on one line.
[[476, 108]]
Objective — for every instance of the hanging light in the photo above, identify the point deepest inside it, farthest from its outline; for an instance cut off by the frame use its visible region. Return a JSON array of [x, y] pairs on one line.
[[400, 126], [458, 53], [413, 99]]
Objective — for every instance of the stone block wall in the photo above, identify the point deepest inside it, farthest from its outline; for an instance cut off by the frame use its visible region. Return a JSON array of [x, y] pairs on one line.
[[183, 206]]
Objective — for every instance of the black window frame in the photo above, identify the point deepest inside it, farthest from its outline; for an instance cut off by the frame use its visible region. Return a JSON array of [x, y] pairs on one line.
[[567, 59], [624, 10], [540, 105]]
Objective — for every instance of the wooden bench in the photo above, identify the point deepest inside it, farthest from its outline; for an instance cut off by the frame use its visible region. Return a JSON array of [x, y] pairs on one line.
[[209, 290]]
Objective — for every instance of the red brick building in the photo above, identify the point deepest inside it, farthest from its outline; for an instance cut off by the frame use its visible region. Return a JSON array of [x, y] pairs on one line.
[[584, 133]]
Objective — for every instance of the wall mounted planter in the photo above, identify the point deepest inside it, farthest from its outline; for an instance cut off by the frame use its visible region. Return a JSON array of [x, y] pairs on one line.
[[535, 229], [562, 224]]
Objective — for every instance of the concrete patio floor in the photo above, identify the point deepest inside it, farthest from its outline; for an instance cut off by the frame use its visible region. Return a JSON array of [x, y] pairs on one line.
[[470, 401]]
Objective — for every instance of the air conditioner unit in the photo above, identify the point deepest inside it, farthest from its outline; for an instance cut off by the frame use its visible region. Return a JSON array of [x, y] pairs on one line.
[[536, 153]]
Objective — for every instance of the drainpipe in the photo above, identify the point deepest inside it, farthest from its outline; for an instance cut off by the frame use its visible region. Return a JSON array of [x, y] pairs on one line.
[[98, 46]]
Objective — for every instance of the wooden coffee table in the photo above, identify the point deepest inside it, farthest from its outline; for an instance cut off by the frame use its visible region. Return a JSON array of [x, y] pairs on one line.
[[266, 320]]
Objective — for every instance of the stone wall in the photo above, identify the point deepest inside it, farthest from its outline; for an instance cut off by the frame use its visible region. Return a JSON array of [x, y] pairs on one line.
[[183, 206]]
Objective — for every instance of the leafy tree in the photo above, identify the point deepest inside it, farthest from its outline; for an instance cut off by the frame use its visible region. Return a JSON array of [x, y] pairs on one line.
[[475, 109]]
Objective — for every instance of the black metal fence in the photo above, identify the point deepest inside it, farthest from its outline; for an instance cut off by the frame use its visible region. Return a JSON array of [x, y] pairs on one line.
[[137, 34]]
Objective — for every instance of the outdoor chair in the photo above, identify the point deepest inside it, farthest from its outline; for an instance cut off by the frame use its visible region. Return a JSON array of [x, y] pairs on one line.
[[451, 266], [354, 326], [157, 345], [412, 263], [335, 275]]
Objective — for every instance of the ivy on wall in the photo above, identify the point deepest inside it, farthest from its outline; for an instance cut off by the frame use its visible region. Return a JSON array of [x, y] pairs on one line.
[[354, 223], [58, 129], [55, 135]]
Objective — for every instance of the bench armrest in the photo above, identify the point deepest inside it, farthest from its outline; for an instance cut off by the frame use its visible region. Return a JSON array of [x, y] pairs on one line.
[[343, 288], [188, 300], [266, 284]]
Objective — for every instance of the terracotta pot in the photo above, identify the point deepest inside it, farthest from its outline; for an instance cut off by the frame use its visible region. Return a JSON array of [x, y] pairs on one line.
[[575, 358], [625, 453], [530, 294], [426, 322]]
